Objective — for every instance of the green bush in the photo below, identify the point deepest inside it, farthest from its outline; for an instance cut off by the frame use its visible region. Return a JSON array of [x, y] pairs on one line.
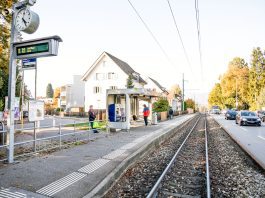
[[161, 105]]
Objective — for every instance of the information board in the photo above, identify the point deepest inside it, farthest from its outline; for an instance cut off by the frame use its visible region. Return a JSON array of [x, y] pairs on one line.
[[36, 110], [33, 49]]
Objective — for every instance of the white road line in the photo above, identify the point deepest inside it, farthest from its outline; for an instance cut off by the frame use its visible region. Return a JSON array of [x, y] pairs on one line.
[[244, 129], [61, 184], [93, 166], [261, 137]]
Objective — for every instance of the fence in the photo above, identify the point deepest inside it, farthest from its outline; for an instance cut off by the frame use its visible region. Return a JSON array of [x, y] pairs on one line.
[[62, 135]]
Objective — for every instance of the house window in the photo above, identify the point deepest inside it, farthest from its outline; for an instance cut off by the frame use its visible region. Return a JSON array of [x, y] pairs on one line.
[[97, 89], [111, 75], [99, 76], [113, 87]]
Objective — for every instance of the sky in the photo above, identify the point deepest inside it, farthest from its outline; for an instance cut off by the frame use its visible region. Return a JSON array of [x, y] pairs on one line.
[[228, 29]]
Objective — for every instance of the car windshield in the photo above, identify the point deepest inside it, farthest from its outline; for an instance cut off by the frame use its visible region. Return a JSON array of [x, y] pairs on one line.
[[232, 112], [247, 113]]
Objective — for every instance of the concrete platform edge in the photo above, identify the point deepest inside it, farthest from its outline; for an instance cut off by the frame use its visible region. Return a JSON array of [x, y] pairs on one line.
[[261, 164], [105, 184]]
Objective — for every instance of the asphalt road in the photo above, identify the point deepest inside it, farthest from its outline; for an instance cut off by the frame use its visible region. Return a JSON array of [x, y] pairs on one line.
[[251, 138], [48, 121]]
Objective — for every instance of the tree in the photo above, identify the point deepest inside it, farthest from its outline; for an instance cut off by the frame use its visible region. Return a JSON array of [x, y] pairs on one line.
[[49, 91], [129, 83], [234, 84], [256, 76], [190, 103], [161, 105], [216, 96], [261, 99], [56, 96]]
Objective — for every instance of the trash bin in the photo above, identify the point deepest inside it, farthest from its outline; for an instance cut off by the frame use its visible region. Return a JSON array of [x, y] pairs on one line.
[[154, 118]]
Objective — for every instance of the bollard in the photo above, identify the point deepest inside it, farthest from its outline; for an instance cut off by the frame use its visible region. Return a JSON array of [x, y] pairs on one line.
[[53, 121]]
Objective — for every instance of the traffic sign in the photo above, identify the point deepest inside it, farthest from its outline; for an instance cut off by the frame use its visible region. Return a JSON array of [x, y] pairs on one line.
[[29, 63]]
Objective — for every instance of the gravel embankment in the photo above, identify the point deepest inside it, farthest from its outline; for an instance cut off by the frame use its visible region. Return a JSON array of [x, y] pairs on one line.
[[233, 172], [186, 177], [138, 180]]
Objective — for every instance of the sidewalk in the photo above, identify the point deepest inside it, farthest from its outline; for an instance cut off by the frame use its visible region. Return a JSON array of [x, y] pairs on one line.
[[86, 169]]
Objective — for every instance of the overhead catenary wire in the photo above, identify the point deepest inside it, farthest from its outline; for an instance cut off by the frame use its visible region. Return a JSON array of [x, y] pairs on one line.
[[149, 30], [199, 34], [182, 43]]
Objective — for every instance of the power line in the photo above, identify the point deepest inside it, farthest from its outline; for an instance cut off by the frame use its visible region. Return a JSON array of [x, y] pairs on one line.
[[199, 34], [185, 52], [148, 29]]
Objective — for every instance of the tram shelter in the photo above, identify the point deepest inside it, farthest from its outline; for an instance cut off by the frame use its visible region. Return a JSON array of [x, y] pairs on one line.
[[123, 106]]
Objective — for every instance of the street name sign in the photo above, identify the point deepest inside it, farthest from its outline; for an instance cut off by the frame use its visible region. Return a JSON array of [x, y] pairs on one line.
[[36, 48]]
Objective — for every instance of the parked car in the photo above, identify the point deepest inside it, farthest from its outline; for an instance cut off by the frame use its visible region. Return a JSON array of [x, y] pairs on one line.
[[261, 115], [230, 115], [247, 118], [215, 111]]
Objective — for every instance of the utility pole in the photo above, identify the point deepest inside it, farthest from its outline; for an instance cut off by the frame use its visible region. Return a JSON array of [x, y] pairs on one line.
[[183, 92], [236, 95]]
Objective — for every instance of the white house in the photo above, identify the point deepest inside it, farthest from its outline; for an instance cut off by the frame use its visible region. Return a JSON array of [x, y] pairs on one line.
[[156, 86], [107, 72], [72, 95]]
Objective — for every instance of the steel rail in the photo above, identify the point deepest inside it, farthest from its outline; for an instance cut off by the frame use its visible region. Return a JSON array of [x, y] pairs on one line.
[[153, 192], [208, 184]]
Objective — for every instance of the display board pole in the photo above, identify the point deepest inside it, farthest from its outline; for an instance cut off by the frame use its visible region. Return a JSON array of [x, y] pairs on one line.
[[35, 122]]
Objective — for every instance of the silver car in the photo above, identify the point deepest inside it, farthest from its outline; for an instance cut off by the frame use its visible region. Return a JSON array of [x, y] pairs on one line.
[[247, 118]]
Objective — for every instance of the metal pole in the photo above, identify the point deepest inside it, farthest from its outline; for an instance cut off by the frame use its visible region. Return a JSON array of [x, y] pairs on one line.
[[183, 108], [22, 101], [35, 122], [60, 136], [11, 91], [236, 95]]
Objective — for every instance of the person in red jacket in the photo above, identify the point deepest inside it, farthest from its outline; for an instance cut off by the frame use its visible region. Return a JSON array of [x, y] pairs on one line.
[[146, 113]]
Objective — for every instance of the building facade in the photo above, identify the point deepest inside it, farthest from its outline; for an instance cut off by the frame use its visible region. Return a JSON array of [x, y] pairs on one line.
[[107, 72]]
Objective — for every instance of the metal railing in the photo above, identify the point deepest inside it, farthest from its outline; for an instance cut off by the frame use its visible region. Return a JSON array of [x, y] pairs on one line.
[[59, 138]]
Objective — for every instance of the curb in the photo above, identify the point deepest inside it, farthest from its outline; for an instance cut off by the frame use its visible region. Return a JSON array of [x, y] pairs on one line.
[[242, 146], [110, 179]]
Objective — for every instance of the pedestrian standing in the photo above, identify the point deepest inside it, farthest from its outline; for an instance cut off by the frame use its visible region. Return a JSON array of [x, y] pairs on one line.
[[92, 117], [170, 113], [146, 113]]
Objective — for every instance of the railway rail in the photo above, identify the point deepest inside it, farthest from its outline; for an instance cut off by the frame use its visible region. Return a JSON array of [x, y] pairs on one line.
[[187, 174]]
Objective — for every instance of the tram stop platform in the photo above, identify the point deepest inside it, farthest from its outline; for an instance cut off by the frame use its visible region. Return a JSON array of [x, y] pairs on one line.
[[85, 170], [250, 138]]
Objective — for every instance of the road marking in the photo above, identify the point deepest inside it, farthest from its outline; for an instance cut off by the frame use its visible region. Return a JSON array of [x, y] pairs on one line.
[[5, 193], [93, 166], [244, 129], [61, 184], [261, 137]]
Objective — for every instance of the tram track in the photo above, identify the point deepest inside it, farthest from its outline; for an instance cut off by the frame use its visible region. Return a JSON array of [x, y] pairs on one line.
[[186, 174]]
